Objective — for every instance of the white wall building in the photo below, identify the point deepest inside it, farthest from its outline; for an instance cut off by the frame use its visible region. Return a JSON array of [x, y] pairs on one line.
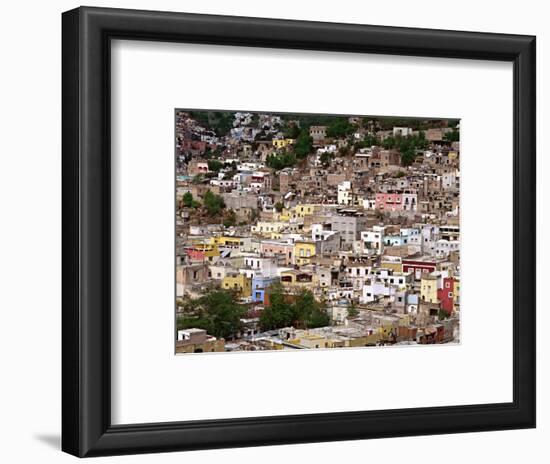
[[345, 194], [373, 240], [443, 247]]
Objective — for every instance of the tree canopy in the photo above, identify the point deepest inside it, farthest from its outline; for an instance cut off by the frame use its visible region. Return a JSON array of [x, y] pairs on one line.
[[352, 311], [304, 144], [368, 141], [407, 146], [340, 127], [452, 136], [217, 312], [219, 121], [215, 165], [326, 158], [305, 311], [213, 203], [292, 131], [189, 201], [281, 160], [279, 206]]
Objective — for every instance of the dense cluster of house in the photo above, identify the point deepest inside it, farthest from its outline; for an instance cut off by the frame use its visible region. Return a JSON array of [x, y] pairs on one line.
[[377, 241]]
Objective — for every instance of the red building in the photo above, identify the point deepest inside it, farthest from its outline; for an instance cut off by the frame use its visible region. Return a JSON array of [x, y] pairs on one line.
[[195, 255], [389, 201], [446, 295], [418, 267]]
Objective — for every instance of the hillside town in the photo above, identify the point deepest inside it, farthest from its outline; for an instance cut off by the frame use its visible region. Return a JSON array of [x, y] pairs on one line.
[[303, 231]]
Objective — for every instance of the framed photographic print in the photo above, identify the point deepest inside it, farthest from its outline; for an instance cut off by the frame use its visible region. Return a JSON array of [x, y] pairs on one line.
[[285, 231]]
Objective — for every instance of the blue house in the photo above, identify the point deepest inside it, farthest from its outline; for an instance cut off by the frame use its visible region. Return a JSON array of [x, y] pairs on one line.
[[259, 286]]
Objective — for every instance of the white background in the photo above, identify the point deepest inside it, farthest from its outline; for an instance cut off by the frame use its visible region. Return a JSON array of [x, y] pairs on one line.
[[148, 81], [30, 192]]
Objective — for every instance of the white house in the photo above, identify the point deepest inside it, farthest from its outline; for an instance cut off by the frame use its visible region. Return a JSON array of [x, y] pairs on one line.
[[443, 247], [373, 240], [345, 195]]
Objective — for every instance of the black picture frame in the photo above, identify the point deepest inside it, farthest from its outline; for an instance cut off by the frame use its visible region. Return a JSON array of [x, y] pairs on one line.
[[86, 260]]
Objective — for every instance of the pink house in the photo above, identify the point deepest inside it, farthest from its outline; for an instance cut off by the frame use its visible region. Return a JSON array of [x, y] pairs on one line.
[[397, 200], [195, 255], [278, 248], [389, 201]]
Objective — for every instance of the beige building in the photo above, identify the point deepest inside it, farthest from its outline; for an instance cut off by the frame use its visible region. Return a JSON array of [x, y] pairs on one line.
[[318, 133], [198, 341]]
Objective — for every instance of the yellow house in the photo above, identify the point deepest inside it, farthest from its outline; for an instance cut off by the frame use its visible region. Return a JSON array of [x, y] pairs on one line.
[[297, 278], [301, 211], [428, 289], [227, 241], [303, 252], [288, 277], [388, 263], [238, 282], [456, 295], [210, 250], [266, 228], [282, 143], [283, 216]]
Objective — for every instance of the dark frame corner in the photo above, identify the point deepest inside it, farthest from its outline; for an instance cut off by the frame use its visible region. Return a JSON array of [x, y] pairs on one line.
[[86, 426]]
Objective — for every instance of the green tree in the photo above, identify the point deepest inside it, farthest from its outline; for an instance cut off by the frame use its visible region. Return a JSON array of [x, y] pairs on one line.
[[408, 156], [309, 311], [279, 206], [279, 313], [389, 142], [187, 199], [326, 158], [213, 203], [304, 144], [452, 136], [292, 131], [219, 121], [339, 128], [407, 146], [214, 165], [217, 312], [306, 310], [367, 142], [281, 160], [352, 311]]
